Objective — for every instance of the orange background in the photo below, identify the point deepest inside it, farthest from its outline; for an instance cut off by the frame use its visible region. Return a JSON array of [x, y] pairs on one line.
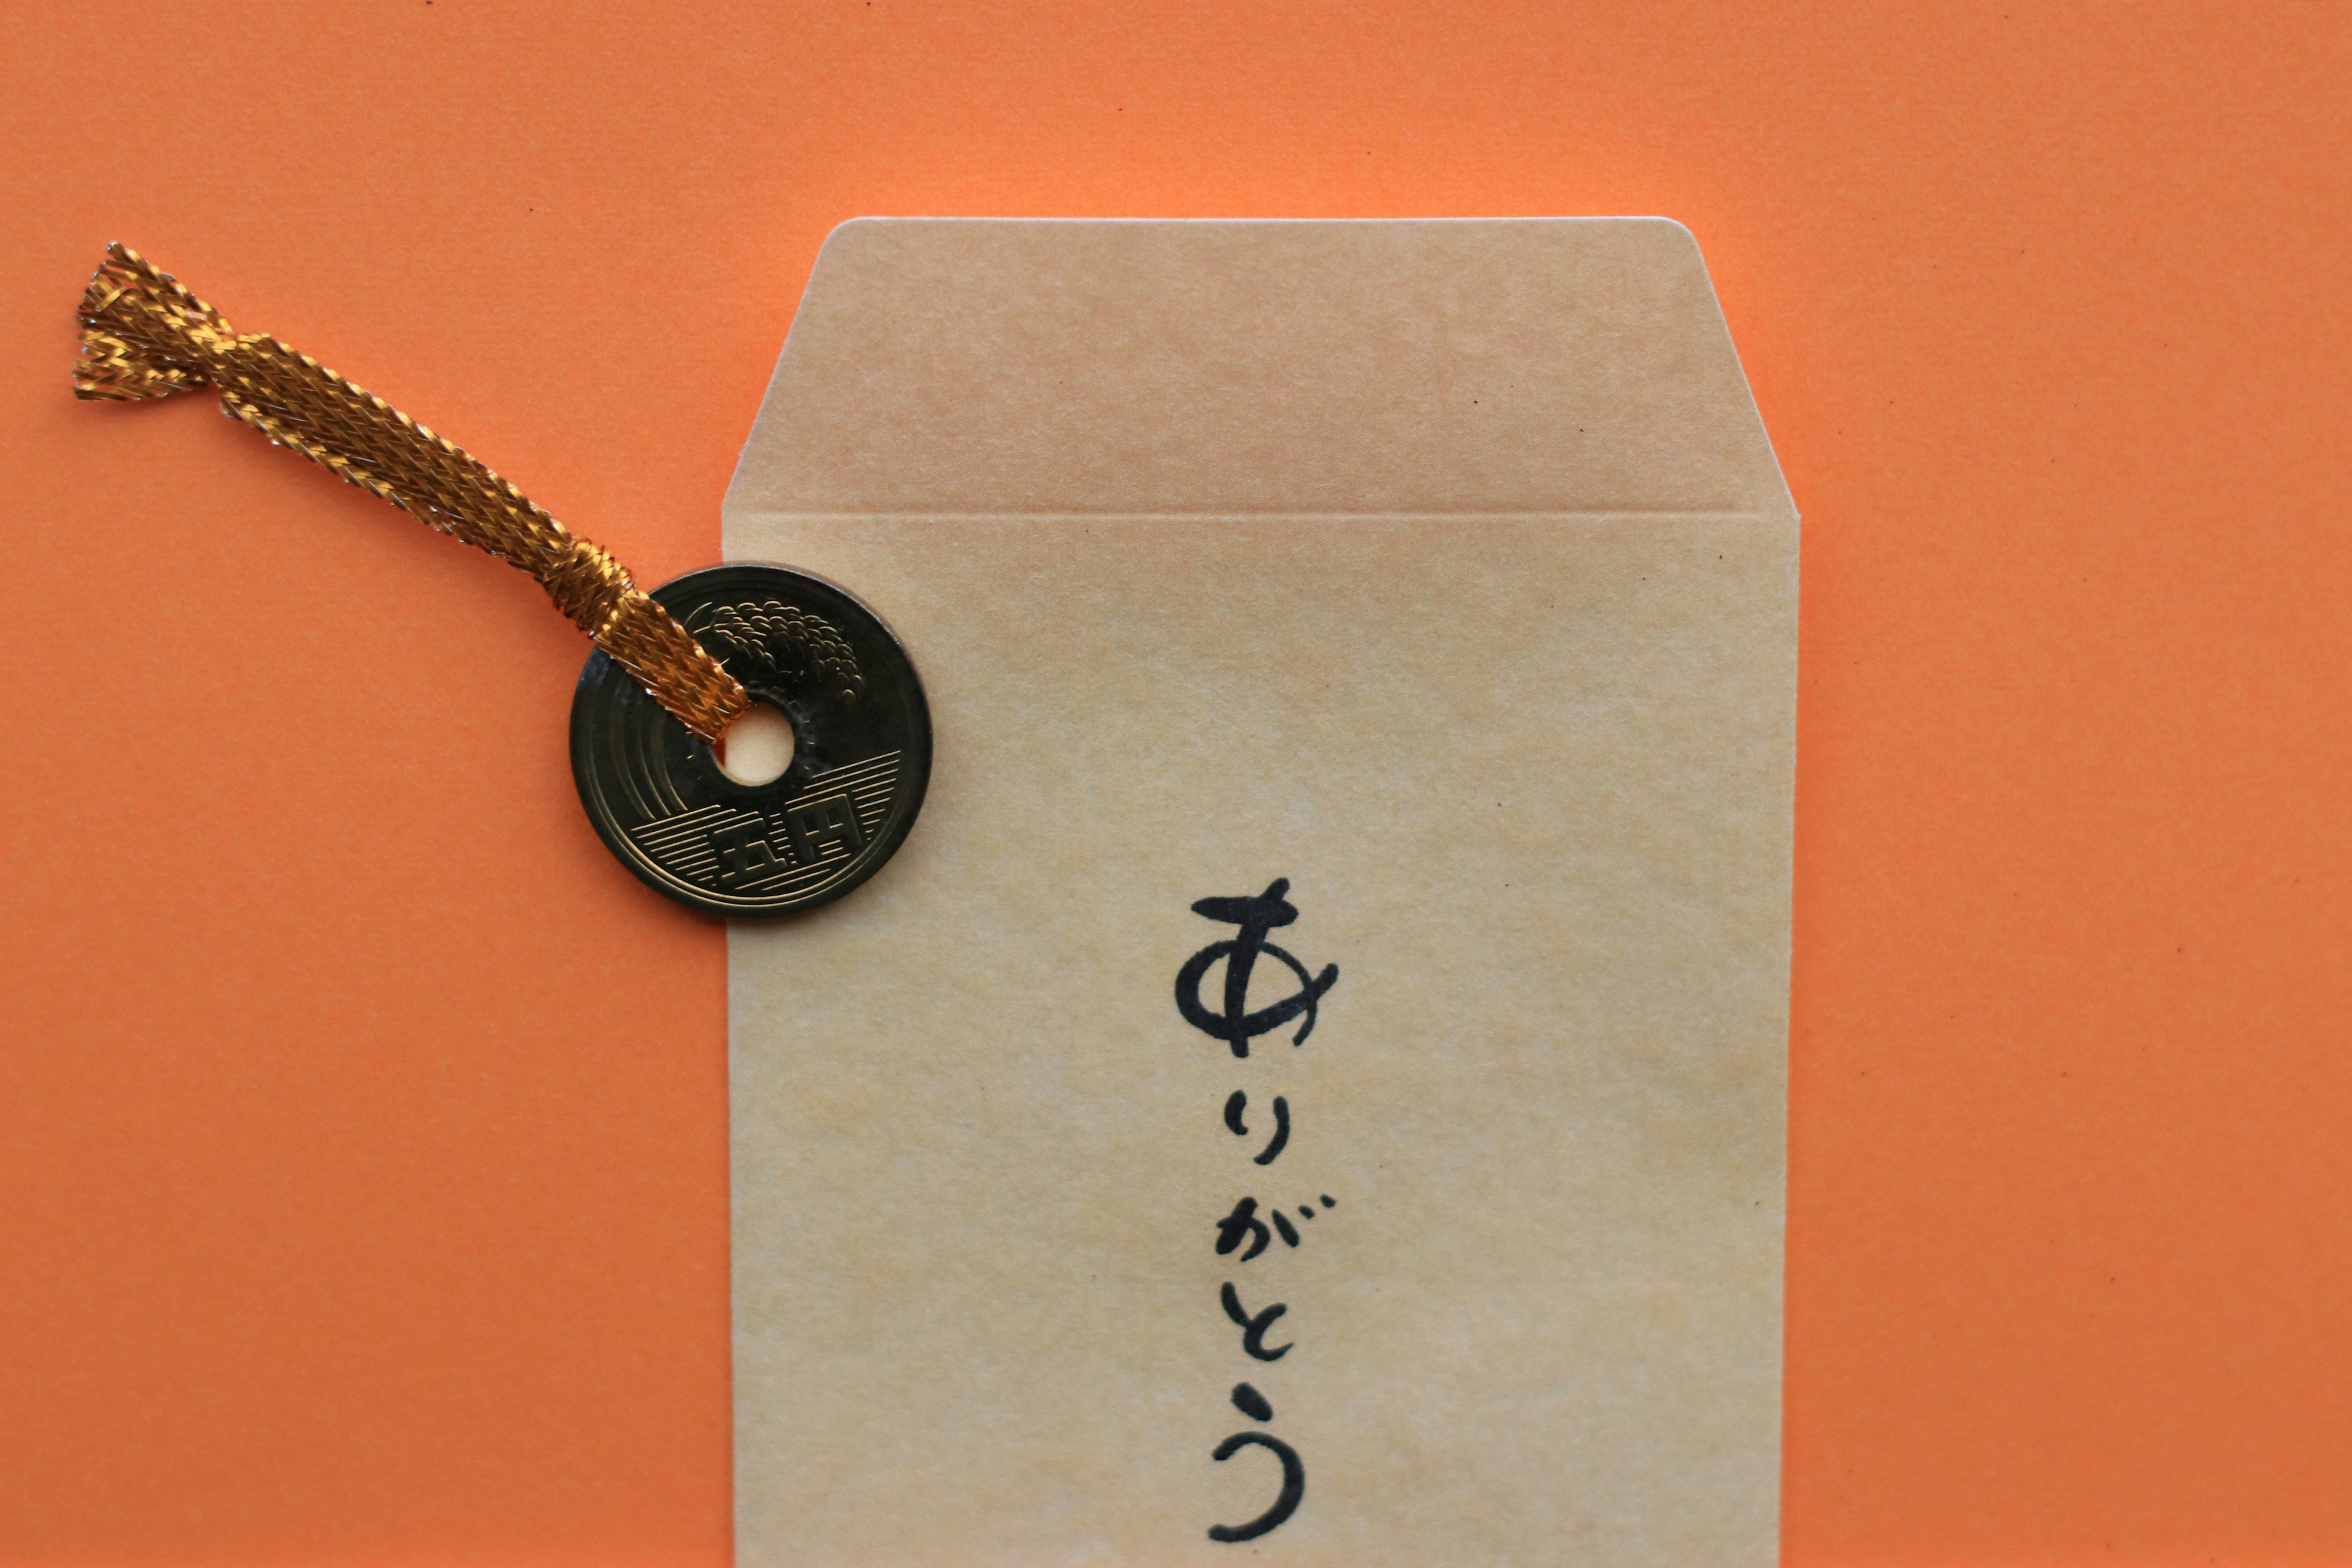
[[362, 1186]]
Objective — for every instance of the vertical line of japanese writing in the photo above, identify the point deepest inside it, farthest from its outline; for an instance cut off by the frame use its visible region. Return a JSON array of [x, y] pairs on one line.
[[1248, 1230]]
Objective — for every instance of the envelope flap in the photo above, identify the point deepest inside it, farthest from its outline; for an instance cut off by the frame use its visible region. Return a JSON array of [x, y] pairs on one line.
[[952, 365]]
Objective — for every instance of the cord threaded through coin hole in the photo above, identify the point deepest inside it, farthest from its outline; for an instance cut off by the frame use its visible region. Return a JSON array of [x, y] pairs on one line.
[[758, 747]]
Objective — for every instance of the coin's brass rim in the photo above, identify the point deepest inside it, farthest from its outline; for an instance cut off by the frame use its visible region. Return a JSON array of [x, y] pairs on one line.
[[602, 684]]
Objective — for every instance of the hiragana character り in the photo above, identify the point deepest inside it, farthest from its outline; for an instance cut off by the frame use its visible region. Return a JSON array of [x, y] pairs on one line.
[[1238, 1102]]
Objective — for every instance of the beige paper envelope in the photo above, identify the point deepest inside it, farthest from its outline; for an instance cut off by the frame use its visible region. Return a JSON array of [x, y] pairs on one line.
[[1441, 569]]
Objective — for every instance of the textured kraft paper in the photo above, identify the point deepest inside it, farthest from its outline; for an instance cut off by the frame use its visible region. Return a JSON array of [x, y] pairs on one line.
[[1444, 569]]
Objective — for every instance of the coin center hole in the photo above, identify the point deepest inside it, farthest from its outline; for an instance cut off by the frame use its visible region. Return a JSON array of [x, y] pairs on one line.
[[758, 747]]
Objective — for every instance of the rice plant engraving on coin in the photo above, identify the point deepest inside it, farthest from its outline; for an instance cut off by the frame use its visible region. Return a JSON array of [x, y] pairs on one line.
[[861, 750]]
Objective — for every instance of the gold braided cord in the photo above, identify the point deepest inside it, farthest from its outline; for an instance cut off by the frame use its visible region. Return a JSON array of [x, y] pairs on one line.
[[143, 335]]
